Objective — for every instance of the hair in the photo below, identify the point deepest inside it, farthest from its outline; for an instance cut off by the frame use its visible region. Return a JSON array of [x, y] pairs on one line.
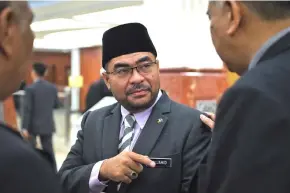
[[39, 69], [269, 10], [266, 10]]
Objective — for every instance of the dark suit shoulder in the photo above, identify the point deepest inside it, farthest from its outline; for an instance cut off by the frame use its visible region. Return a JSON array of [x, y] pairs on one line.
[[261, 81], [22, 167], [104, 111], [98, 113], [49, 84], [15, 148], [184, 110], [29, 87], [185, 114]]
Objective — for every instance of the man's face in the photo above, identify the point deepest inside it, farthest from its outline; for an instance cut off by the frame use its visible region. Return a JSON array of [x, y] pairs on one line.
[[17, 43], [135, 89], [225, 24]]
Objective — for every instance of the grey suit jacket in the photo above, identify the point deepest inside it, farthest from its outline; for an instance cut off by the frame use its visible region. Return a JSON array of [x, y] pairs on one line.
[[39, 102], [181, 136]]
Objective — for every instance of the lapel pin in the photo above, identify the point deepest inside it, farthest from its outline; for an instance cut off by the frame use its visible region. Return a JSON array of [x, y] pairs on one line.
[[160, 120]]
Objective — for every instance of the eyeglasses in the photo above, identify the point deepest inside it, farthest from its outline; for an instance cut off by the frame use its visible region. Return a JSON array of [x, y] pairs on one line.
[[127, 71]]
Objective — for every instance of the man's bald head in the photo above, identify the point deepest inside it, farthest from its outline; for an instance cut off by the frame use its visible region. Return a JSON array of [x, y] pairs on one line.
[[270, 10], [240, 28], [266, 10]]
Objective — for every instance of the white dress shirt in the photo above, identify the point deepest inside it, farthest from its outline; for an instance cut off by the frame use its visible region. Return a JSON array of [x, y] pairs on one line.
[[97, 186]]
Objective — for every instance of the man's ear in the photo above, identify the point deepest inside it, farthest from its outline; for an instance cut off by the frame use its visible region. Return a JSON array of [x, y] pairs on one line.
[[106, 79], [235, 16], [7, 30]]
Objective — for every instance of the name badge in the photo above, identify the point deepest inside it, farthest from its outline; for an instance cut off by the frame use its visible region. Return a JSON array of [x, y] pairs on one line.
[[162, 162]]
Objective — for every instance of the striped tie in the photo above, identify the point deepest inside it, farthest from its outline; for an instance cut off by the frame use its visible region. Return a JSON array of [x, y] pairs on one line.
[[125, 142]]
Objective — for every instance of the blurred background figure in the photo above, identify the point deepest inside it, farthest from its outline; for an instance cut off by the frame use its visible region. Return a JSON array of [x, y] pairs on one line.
[[97, 91], [17, 97], [39, 102]]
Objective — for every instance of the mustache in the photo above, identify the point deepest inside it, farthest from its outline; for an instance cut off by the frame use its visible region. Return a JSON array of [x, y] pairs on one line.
[[137, 87]]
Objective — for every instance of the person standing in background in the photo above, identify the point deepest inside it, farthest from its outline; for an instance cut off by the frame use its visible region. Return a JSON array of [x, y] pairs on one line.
[[22, 168], [97, 91], [17, 97], [39, 102]]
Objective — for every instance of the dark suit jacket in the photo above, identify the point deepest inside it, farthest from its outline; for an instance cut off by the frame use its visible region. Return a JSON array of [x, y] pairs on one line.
[[22, 169], [250, 146], [97, 91], [181, 136], [40, 100]]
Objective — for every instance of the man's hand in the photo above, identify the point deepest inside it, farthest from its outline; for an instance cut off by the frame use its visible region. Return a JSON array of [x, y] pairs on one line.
[[208, 121], [25, 134], [120, 167]]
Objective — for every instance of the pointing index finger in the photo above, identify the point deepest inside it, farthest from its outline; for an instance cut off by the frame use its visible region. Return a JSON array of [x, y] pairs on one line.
[[142, 159]]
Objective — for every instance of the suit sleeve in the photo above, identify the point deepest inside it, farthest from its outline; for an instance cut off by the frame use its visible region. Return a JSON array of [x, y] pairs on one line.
[[251, 153], [194, 151], [27, 109], [74, 173]]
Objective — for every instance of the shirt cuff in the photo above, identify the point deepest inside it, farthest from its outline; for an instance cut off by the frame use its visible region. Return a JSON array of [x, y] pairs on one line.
[[94, 183]]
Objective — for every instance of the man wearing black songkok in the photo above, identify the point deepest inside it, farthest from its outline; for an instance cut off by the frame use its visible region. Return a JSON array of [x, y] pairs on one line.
[[110, 154]]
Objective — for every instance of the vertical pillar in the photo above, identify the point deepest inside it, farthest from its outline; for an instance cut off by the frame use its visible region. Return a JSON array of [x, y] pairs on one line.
[[75, 71]]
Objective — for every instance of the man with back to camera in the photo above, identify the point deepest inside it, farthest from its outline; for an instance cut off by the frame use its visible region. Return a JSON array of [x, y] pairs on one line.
[[22, 169], [115, 144], [250, 145], [97, 91], [39, 102]]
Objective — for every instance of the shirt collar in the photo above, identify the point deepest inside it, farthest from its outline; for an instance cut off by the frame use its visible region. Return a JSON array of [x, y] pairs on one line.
[[143, 116], [266, 46], [37, 80]]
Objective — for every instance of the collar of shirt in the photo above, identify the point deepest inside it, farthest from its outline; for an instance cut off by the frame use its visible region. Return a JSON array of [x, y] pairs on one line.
[[37, 80], [142, 117], [266, 46]]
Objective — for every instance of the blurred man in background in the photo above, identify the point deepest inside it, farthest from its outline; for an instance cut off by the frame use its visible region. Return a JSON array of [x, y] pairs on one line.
[[22, 168], [39, 102], [97, 91], [251, 137]]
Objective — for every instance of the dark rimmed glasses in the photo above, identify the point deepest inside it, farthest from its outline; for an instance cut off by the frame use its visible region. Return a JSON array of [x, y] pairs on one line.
[[126, 71]]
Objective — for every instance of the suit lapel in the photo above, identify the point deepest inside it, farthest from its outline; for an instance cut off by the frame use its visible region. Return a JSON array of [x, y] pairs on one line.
[[153, 127], [111, 131]]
